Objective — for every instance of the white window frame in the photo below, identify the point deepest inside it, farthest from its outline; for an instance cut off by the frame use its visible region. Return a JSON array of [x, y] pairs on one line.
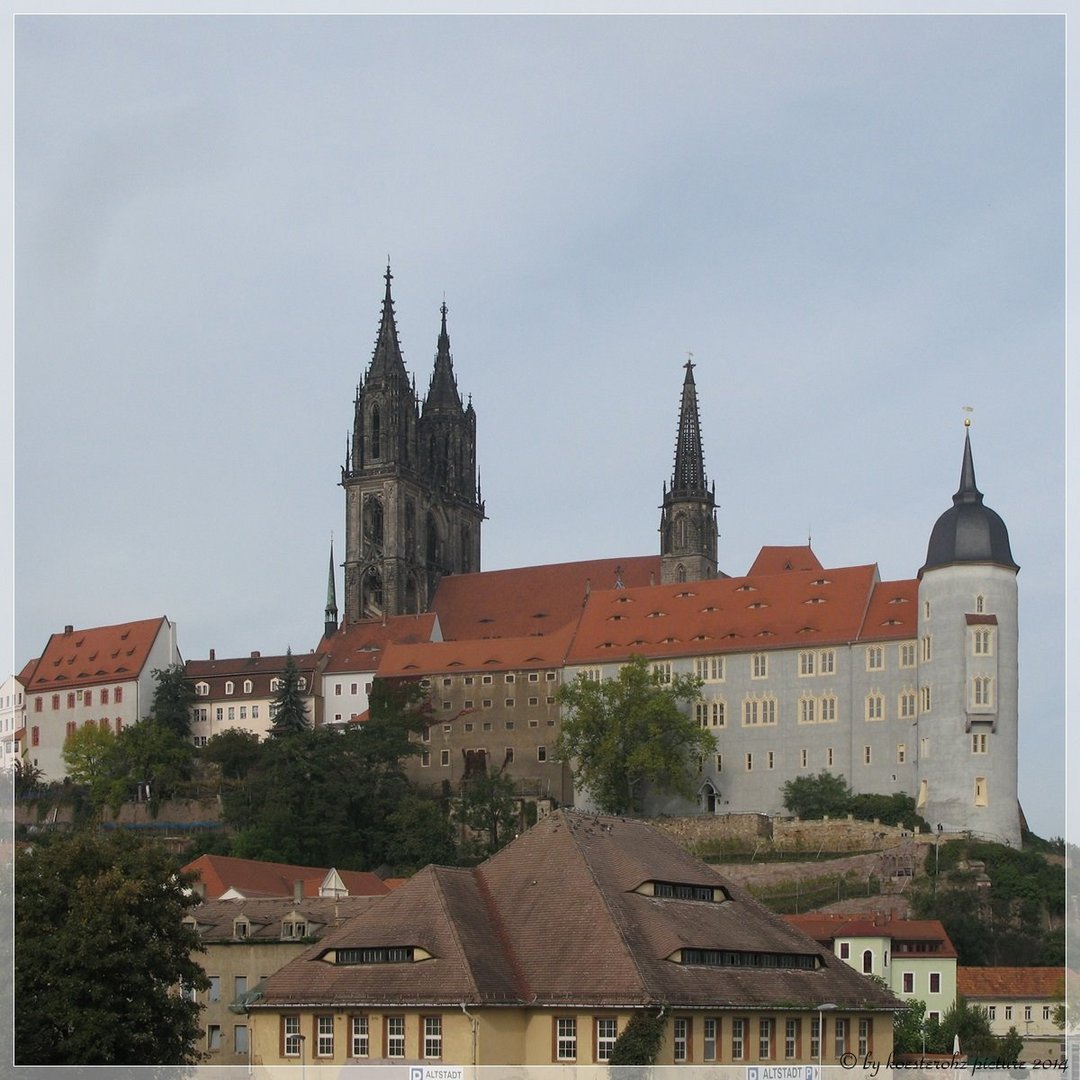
[[360, 1036], [566, 1038], [324, 1036], [433, 1039]]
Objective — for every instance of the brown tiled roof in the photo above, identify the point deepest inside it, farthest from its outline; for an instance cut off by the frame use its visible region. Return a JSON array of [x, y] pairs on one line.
[[490, 654], [88, 657], [531, 599], [358, 646], [770, 611], [1034, 983], [827, 927], [216, 918], [250, 666], [255, 878], [555, 919]]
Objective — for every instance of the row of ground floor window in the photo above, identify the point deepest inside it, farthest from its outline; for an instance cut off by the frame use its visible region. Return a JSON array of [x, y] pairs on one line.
[[485, 1036]]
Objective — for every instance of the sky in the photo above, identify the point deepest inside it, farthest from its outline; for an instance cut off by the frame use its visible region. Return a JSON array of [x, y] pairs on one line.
[[855, 223]]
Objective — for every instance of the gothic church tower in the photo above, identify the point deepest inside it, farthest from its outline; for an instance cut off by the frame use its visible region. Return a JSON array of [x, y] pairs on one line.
[[688, 533], [412, 505]]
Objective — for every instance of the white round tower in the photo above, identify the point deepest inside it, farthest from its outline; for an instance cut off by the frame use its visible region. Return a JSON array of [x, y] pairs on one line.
[[966, 749]]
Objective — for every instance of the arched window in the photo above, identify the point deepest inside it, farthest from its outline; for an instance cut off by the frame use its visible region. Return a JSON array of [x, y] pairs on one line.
[[867, 962], [376, 432], [373, 521], [980, 604], [229, 687], [680, 572], [680, 532], [247, 686]]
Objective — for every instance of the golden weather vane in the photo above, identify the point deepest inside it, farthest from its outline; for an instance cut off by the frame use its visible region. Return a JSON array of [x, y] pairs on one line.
[[967, 419]]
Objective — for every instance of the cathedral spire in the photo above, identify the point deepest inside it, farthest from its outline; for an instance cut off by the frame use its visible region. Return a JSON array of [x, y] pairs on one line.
[[330, 619], [967, 492], [386, 359], [689, 475], [443, 391]]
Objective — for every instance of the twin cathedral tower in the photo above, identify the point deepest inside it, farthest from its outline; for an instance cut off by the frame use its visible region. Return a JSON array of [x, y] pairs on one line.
[[413, 506]]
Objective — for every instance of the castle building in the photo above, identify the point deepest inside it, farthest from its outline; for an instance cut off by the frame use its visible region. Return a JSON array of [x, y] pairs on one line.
[[899, 686], [412, 503]]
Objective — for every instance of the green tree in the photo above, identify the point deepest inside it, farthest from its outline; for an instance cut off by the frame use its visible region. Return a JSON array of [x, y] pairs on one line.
[[234, 752], [421, 834], [487, 807], [625, 733], [151, 756], [28, 778], [102, 953], [971, 1024], [288, 707], [824, 795], [909, 1028], [91, 758], [173, 700], [639, 1042]]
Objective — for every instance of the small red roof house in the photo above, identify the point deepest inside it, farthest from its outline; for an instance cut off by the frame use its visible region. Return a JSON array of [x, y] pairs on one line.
[[1025, 998], [103, 675], [226, 877]]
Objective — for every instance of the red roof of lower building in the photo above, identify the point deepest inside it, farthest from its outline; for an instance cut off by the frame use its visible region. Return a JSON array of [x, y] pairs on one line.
[[1011, 982], [254, 878]]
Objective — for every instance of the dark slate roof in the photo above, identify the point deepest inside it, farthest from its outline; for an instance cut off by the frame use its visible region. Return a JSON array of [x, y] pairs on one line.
[[969, 531], [216, 919], [555, 919]]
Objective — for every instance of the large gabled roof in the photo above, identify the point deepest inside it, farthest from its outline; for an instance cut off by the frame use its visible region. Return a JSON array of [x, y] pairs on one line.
[[1033, 983], [531, 600], [100, 654], [488, 654], [791, 609], [559, 918]]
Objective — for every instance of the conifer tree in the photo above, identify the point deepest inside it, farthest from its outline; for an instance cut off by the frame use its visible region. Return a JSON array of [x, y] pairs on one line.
[[290, 715]]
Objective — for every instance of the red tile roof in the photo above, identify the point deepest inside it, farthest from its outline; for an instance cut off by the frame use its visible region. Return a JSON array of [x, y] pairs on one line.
[[778, 560], [251, 665], [528, 926], [531, 599], [1039, 983], [827, 927], [88, 657], [770, 611], [358, 646], [492, 654], [255, 878], [893, 611]]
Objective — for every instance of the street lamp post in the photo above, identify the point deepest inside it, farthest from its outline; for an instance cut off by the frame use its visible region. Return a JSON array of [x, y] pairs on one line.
[[821, 1009]]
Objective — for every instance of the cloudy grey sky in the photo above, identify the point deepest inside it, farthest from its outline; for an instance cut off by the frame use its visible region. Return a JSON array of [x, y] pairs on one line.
[[855, 223]]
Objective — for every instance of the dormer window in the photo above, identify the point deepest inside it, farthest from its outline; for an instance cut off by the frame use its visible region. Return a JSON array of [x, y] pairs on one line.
[[301, 683], [672, 890], [229, 687], [202, 689], [391, 954], [241, 928], [293, 929], [275, 684], [740, 958], [247, 686]]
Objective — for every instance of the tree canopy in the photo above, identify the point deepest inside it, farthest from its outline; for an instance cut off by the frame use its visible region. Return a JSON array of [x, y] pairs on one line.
[[824, 795], [102, 953], [625, 733], [173, 699], [487, 807]]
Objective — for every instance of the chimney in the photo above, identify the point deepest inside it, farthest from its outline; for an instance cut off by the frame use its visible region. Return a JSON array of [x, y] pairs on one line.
[[211, 654], [298, 890], [255, 654], [68, 629]]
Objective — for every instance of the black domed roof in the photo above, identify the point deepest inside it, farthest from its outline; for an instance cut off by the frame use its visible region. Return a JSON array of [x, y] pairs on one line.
[[968, 531]]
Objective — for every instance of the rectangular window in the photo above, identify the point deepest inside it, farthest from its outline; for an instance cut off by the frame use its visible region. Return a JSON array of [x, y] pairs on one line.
[[841, 1037], [240, 981], [240, 1039], [804, 756], [88, 697], [826, 662], [829, 756], [254, 712], [324, 1036], [991, 1011], [709, 1039], [806, 663], [791, 1039], [901, 753], [770, 760], [662, 672], [541, 753], [983, 643], [807, 711], [485, 680], [214, 993], [104, 696], [1046, 1012], [981, 798], [865, 1042], [395, 1036], [749, 762], [926, 649], [56, 701], [425, 758], [232, 712], [1008, 1012], [243, 712], [875, 706], [71, 701], [738, 1028], [433, 1036], [290, 1036], [815, 1037], [845, 950], [926, 699], [760, 666], [37, 704], [681, 1038], [866, 755], [719, 762], [709, 668], [361, 1038], [509, 677], [444, 757], [765, 1039], [1027, 1012], [875, 658], [907, 654], [565, 1038], [606, 1034], [352, 688], [219, 714], [978, 742], [213, 1037], [909, 982]]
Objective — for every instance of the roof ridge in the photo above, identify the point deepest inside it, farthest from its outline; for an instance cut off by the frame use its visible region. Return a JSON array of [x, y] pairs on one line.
[[517, 972]]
